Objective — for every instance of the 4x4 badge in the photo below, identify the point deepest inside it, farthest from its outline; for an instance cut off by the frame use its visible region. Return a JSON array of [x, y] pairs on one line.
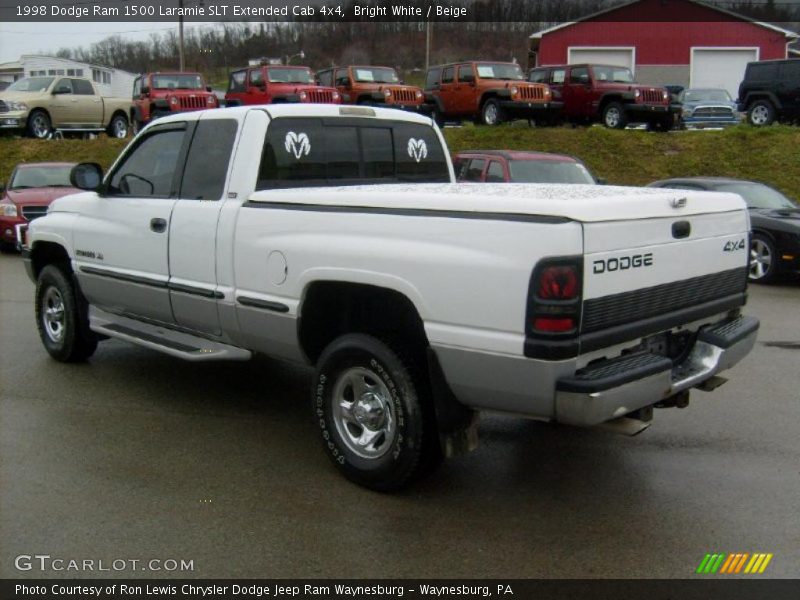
[[297, 144], [417, 149]]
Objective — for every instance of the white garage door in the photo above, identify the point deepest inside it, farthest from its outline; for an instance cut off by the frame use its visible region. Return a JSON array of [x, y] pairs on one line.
[[622, 57], [720, 68]]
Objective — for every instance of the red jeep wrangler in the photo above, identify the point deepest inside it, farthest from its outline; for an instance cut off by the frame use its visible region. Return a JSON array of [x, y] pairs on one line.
[[274, 84], [373, 85], [489, 92], [607, 94], [159, 94]]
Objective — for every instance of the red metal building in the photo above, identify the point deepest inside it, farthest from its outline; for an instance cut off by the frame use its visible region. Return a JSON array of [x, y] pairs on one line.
[[681, 42]]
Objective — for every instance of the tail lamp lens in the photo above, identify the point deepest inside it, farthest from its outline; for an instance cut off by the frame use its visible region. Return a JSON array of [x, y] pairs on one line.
[[558, 283], [553, 325]]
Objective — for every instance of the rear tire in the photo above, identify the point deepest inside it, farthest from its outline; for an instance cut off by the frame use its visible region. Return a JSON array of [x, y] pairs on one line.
[[372, 404], [761, 113], [62, 317], [118, 128], [763, 259]]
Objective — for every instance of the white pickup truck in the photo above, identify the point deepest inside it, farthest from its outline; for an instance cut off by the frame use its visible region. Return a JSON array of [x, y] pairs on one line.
[[420, 302]]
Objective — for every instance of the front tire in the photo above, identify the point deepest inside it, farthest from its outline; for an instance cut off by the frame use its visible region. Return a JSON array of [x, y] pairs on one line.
[[491, 113], [614, 116], [761, 113], [61, 317], [763, 259], [371, 404], [39, 125]]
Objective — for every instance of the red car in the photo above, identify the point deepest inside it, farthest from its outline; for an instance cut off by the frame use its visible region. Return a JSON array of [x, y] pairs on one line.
[[272, 84], [514, 166], [30, 190]]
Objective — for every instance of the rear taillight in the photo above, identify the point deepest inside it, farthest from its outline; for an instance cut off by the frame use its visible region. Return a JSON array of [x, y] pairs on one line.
[[554, 298]]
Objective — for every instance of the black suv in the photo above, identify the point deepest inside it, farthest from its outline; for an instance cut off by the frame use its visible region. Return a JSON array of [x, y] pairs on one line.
[[771, 91]]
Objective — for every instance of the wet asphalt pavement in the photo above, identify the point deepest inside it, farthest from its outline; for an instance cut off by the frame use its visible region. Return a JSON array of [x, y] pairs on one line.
[[139, 456]]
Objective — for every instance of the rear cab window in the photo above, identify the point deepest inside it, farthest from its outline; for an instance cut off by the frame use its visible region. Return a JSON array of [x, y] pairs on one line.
[[304, 152]]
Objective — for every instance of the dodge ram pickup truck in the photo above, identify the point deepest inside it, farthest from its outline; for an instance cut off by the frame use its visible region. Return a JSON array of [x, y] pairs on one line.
[[335, 236], [42, 105]]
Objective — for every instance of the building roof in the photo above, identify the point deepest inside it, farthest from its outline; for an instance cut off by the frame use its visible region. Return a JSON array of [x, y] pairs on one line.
[[70, 60], [785, 32]]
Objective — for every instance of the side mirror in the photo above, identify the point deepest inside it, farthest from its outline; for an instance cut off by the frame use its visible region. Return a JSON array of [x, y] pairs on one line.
[[86, 176], [601, 180], [208, 88], [145, 91]]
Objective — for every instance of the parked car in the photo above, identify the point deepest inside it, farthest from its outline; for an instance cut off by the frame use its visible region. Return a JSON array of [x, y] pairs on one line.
[[607, 94], [770, 92], [40, 105], [30, 190], [774, 218], [712, 107], [277, 84], [418, 305], [377, 86], [487, 92], [514, 166], [159, 94], [4, 85]]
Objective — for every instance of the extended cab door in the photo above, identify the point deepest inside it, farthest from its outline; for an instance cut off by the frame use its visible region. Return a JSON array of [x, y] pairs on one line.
[[89, 106], [578, 91], [193, 228], [121, 235]]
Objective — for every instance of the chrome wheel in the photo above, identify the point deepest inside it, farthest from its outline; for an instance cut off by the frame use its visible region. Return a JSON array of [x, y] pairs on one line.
[[613, 116], [760, 260], [119, 128], [40, 125], [53, 314], [363, 413]]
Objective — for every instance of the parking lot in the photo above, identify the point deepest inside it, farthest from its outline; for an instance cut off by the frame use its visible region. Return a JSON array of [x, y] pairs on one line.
[[136, 455]]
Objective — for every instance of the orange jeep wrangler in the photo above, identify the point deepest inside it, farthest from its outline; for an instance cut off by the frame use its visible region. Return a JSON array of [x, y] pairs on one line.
[[489, 92], [373, 85]]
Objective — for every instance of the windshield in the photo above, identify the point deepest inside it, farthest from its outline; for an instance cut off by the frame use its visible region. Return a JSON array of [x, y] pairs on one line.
[[288, 75], [757, 195], [499, 71], [375, 75], [706, 96], [613, 74], [548, 171], [177, 82], [31, 84], [34, 177]]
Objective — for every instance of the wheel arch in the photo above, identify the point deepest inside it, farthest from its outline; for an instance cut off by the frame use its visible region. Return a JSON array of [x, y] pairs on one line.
[[44, 253], [753, 97], [36, 109], [330, 308]]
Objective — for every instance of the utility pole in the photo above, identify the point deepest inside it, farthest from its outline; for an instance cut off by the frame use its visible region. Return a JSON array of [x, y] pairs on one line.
[[428, 39], [180, 36]]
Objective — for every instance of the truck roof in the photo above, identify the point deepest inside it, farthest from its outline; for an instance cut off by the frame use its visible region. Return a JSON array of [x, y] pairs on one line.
[[303, 110]]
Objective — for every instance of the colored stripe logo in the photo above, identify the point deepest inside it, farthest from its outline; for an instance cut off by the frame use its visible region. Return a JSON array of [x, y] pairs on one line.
[[734, 564]]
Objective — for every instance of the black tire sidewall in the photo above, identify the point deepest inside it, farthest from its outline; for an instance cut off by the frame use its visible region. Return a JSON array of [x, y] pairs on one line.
[[768, 105], [78, 342], [30, 124], [112, 130], [622, 123], [397, 466], [773, 267]]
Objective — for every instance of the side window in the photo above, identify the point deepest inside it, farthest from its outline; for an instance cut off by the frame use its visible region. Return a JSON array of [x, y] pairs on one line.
[[64, 86], [208, 159], [579, 75], [236, 82], [137, 87], [475, 169], [557, 76], [342, 77], [256, 78], [447, 75], [495, 172], [791, 70], [432, 78], [378, 152], [762, 72], [149, 169], [466, 73], [325, 78], [82, 87], [538, 76]]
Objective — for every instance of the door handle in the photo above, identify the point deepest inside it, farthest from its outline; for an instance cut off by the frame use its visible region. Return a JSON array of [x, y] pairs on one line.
[[158, 225]]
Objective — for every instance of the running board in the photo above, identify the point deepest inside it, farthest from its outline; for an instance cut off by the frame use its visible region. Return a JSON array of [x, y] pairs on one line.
[[175, 343]]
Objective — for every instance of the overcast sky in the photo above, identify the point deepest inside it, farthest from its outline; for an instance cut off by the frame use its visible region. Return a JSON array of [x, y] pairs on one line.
[[17, 39]]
